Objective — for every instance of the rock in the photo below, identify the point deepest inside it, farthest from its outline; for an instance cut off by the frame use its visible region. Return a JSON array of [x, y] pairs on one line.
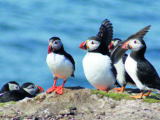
[[78, 104]]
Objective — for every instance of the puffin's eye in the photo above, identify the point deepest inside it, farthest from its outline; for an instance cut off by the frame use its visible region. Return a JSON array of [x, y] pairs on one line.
[[135, 42], [55, 42], [92, 42]]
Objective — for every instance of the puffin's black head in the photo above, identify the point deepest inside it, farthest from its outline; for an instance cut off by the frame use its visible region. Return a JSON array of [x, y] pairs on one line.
[[114, 43], [12, 85], [30, 89], [91, 44], [55, 44]]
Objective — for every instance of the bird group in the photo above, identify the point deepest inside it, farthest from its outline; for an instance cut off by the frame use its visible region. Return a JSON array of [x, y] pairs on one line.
[[12, 91], [106, 62]]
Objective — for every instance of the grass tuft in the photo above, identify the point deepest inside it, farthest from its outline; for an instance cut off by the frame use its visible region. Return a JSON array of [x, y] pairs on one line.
[[153, 98], [115, 96]]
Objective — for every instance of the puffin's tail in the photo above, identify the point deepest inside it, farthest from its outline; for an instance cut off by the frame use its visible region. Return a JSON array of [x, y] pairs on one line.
[[157, 84]]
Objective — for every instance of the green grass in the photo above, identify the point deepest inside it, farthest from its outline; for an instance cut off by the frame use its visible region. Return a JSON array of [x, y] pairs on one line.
[[115, 96], [12, 102], [86, 111], [2, 104], [153, 98]]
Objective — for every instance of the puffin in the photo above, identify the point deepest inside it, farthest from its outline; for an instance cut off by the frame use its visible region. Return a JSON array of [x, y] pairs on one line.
[[137, 66], [12, 85], [26, 90], [98, 67], [122, 75], [60, 63]]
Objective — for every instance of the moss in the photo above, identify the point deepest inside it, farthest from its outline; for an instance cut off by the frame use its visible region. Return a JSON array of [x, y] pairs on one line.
[[68, 106], [2, 113], [115, 96], [86, 111], [153, 98], [2, 104], [12, 102], [12, 112]]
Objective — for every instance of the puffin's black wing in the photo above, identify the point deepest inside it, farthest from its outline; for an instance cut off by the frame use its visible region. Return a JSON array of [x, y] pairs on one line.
[[118, 52], [113, 69], [140, 34], [105, 33], [147, 74], [14, 95], [72, 61], [124, 57]]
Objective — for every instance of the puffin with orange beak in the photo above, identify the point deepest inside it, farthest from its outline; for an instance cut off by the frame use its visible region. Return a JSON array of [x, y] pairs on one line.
[[122, 75], [26, 90], [97, 65], [60, 63], [137, 66]]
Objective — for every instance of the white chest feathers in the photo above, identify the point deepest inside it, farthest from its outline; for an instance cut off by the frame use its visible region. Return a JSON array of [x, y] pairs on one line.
[[120, 71], [97, 69], [131, 68], [59, 65]]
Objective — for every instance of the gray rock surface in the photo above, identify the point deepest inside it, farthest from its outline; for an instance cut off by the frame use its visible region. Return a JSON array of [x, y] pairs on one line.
[[78, 104]]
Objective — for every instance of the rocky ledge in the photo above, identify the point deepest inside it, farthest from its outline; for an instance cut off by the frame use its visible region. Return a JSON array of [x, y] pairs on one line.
[[80, 104]]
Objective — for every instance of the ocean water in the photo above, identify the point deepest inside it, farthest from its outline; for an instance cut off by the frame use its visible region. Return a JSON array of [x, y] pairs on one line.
[[27, 25]]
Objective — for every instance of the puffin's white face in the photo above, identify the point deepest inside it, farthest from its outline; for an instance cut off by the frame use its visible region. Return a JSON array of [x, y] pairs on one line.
[[56, 44], [13, 86], [31, 89], [92, 44], [116, 43], [135, 45], [113, 44]]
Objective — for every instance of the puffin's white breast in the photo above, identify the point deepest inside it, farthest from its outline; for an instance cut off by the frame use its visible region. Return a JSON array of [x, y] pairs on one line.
[[59, 65], [131, 68], [120, 71], [97, 69]]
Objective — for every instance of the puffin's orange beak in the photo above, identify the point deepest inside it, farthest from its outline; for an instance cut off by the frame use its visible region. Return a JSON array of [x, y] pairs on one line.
[[39, 89], [111, 46], [83, 45], [126, 45], [49, 47]]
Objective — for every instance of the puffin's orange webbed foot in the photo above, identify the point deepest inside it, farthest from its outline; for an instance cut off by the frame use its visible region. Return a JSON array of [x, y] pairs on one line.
[[139, 96], [59, 90], [50, 90], [148, 93], [120, 90]]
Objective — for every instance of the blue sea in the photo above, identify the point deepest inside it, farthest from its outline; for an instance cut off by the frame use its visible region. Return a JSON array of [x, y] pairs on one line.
[[27, 25]]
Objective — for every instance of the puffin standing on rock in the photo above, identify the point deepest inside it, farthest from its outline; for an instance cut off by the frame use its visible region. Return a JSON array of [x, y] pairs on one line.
[[122, 75], [60, 63], [97, 65], [137, 66]]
